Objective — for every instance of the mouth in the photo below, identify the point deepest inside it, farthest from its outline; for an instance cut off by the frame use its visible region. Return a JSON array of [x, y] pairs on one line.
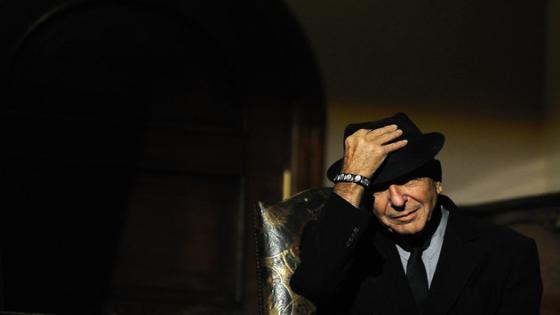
[[407, 217]]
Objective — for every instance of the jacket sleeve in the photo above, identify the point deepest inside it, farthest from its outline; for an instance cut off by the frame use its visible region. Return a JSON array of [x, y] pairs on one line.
[[523, 290], [327, 250]]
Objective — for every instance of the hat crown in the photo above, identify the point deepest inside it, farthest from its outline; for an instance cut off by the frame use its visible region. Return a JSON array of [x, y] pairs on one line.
[[410, 130]]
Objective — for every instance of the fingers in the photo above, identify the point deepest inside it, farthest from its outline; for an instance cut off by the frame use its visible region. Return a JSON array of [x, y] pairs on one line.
[[365, 150], [380, 135], [395, 145], [382, 130], [374, 132], [385, 137]]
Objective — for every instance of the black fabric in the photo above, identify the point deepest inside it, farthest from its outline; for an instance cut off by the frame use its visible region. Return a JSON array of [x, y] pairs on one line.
[[432, 169], [482, 268], [417, 277], [416, 244]]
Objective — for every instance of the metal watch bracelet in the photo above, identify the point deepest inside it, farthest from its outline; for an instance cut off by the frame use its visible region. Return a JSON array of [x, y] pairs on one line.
[[352, 178]]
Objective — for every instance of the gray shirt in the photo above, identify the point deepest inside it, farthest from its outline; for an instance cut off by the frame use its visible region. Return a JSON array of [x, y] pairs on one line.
[[430, 256]]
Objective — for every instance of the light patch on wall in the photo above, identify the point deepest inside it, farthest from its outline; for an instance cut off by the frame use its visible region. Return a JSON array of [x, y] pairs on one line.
[[553, 94]]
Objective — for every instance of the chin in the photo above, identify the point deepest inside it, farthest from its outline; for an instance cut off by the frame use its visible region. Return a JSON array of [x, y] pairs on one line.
[[407, 229]]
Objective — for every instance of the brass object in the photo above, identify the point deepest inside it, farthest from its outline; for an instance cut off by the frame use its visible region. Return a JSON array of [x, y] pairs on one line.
[[286, 184], [279, 228]]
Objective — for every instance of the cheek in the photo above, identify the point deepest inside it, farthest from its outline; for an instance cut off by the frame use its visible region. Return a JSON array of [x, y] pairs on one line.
[[379, 206], [377, 213], [423, 218]]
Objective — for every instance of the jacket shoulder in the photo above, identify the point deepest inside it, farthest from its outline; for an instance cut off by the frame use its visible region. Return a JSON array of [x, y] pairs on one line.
[[498, 236], [495, 235]]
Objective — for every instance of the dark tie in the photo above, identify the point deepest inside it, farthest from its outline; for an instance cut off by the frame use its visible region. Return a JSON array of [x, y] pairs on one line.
[[416, 274]]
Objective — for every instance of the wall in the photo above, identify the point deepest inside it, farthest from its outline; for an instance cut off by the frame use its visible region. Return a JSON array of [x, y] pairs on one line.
[[553, 95], [478, 72]]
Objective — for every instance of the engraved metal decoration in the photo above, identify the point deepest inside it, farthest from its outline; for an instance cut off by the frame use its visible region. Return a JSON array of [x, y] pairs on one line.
[[278, 230]]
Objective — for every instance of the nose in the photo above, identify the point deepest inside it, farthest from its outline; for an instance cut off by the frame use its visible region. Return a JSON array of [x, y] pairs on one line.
[[397, 198]]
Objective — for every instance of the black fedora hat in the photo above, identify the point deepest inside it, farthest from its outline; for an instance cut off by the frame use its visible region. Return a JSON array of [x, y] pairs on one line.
[[421, 148]]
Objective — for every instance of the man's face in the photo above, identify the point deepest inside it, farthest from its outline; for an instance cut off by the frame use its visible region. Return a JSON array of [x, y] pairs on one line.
[[406, 207]]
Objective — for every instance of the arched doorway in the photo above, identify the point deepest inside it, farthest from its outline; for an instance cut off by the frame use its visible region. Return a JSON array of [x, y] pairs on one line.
[[139, 135]]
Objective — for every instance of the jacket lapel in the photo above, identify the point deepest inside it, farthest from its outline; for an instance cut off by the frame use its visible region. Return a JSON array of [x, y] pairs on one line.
[[460, 254], [398, 298]]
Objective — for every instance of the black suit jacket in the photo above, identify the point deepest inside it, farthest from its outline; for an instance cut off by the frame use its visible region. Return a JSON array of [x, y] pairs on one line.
[[348, 267]]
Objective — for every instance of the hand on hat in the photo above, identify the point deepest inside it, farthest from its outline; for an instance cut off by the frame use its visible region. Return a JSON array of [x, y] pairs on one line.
[[365, 150]]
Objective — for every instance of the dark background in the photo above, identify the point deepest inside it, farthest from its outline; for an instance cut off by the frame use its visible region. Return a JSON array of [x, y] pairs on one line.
[[137, 137]]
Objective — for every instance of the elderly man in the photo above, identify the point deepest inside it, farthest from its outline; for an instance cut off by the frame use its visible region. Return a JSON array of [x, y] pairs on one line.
[[388, 242]]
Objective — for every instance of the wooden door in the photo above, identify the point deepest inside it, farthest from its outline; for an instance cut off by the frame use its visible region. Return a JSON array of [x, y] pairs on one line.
[[138, 137]]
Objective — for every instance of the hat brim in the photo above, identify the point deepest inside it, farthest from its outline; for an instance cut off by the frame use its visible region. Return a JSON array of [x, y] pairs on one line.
[[403, 161]]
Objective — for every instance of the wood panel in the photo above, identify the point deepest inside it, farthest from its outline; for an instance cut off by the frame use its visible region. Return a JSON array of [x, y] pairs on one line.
[[183, 234]]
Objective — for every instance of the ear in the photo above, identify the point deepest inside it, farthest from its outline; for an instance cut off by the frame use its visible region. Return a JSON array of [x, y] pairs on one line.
[[439, 187]]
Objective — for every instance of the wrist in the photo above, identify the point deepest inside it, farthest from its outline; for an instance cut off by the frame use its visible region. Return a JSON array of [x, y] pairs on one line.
[[352, 178], [351, 192]]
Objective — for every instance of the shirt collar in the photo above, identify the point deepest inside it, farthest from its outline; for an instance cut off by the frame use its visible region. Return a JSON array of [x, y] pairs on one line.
[[436, 240]]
